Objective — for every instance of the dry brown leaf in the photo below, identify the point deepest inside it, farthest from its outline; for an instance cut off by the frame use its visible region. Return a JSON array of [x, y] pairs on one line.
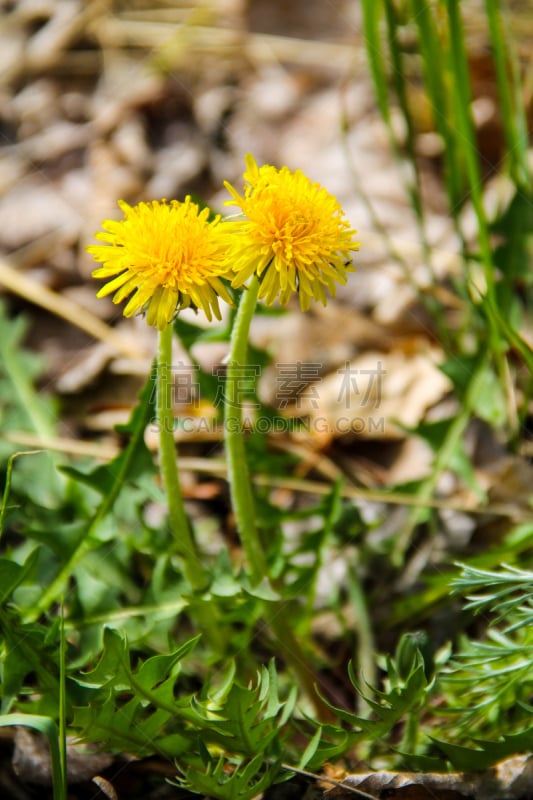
[[375, 394], [31, 759], [511, 779]]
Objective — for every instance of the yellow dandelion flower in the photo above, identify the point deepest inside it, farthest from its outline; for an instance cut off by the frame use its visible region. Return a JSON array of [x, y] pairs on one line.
[[167, 256], [295, 237]]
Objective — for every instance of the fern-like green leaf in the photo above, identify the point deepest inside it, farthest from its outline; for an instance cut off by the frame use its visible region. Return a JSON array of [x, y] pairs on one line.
[[388, 709], [247, 721], [136, 710], [487, 753], [224, 780]]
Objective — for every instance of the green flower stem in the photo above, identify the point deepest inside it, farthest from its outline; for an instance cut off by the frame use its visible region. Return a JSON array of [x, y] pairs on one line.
[[205, 617], [238, 473], [179, 523], [243, 499], [411, 733]]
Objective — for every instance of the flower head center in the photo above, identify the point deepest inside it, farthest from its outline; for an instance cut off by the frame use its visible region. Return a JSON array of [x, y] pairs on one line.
[[294, 235], [169, 255], [281, 219]]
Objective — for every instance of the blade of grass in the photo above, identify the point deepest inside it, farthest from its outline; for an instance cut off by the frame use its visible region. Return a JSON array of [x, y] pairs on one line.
[[371, 15], [394, 252], [400, 88], [512, 106], [47, 726], [462, 104], [435, 76], [462, 100], [407, 163], [63, 700], [35, 410]]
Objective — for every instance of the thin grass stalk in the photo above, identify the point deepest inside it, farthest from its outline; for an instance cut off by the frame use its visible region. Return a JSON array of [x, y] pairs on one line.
[[414, 186], [462, 104], [514, 127], [7, 485], [371, 18], [509, 91], [47, 727], [398, 80], [63, 699], [438, 81], [394, 253], [364, 655], [462, 101], [371, 14], [407, 166], [433, 59], [42, 422]]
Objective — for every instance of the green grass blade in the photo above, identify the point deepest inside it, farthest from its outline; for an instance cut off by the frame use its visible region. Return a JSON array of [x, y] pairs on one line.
[[63, 699], [371, 16], [404, 151], [400, 88], [462, 98], [512, 106], [49, 728], [435, 75]]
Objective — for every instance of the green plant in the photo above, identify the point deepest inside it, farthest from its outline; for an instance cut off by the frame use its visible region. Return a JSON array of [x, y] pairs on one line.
[[220, 641]]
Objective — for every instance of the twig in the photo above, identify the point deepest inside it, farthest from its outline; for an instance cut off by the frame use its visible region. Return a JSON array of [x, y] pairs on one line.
[[61, 306]]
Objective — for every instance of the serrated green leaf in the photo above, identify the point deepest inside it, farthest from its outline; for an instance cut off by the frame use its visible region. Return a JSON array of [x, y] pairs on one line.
[[334, 743], [12, 574], [111, 667], [488, 753], [247, 720], [248, 779], [26, 649], [466, 759], [388, 709], [421, 763], [156, 669], [133, 710]]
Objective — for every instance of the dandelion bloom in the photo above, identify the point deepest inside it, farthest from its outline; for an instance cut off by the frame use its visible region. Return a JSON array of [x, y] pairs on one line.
[[167, 256], [295, 236]]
